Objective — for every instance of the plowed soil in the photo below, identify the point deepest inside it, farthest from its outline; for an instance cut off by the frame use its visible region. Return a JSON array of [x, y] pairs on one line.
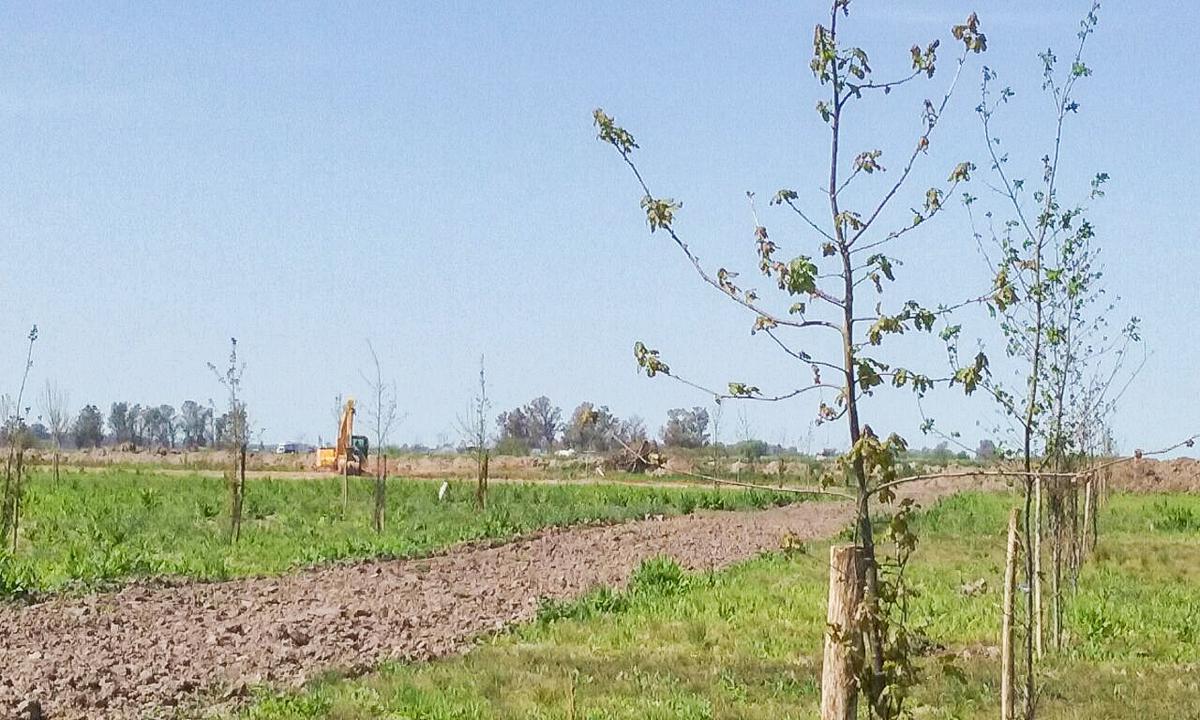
[[150, 651]]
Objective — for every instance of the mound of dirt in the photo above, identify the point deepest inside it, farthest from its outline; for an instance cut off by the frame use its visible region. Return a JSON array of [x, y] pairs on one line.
[[1146, 475]]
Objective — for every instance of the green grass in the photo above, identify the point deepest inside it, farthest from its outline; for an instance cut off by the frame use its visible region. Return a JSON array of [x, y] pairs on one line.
[[101, 527], [745, 643]]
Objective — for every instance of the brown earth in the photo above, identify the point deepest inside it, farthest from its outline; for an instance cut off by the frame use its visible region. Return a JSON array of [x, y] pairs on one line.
[[1146, 475], [149, 651]]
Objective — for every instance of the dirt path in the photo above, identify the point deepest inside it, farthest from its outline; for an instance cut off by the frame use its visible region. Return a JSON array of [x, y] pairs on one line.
[[145, 650]]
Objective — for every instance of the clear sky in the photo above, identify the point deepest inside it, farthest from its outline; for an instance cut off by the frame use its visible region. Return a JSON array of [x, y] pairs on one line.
[[305, 176]]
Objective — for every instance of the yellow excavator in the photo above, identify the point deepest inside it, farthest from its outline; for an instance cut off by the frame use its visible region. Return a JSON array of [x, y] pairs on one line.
[[350, 453]]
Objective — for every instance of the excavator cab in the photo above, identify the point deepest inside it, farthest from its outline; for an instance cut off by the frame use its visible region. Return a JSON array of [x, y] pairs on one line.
[[360, 448]]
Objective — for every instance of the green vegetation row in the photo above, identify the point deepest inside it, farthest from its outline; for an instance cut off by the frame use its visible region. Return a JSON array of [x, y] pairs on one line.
[[98, 528], [745, 643]]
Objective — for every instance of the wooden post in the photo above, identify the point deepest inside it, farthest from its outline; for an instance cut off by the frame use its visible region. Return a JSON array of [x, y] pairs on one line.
[[16, 499], [1035, 591], [1089, 515], [345, 485], [1008, 695], [843, 639], [1056, 560]]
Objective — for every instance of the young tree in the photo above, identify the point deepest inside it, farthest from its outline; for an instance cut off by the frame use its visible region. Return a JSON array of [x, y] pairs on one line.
[[88, 428], [474, 431], [824, 295], [53, 404], [237, 436], [716, 445], [14, 467], [1042, 254], [382, 415]]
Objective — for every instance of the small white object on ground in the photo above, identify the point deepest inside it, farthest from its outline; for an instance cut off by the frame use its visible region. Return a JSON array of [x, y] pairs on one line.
[[442, 490]]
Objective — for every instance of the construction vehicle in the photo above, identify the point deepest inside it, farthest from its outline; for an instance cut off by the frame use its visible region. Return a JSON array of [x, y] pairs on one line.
[[349, 455]]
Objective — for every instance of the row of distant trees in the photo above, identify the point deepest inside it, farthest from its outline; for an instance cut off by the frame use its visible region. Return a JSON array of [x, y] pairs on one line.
[[539, 425], [192, 425]]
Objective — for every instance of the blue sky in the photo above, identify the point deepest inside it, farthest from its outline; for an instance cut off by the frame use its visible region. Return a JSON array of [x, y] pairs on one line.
[[307, 175]]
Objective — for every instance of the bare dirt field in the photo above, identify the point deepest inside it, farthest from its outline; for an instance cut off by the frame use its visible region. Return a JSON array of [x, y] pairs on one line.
[[152, 650], [1145, 475]]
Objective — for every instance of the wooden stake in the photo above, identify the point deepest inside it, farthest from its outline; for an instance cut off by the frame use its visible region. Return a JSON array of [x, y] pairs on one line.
[[1008, 696], [843, 639], [16, 499], [1036, 580], [345, 485], [1056, 560], [1089, 515]]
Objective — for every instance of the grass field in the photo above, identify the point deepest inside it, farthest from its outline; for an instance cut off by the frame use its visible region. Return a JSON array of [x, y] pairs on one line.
[[745, 643], [99, 527]]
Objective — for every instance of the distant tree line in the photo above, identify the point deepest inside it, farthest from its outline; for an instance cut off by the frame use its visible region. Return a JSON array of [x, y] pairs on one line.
[[191, 426], [538, 425]]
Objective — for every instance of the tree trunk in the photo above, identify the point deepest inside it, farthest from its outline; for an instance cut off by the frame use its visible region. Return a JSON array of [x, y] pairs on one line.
[[1008, 696], [237, 489], [843, 637], [241, 496], [380, 494], [482, 485]]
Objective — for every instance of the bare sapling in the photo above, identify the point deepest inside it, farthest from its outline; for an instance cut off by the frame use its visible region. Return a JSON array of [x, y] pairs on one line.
[[381, 415], [236, 437], [14, 467], [475, 436], [822, 323]]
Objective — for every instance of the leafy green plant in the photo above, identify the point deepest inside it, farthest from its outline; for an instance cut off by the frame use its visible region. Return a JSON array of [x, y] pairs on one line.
[[17, 578], [1175, 518]]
